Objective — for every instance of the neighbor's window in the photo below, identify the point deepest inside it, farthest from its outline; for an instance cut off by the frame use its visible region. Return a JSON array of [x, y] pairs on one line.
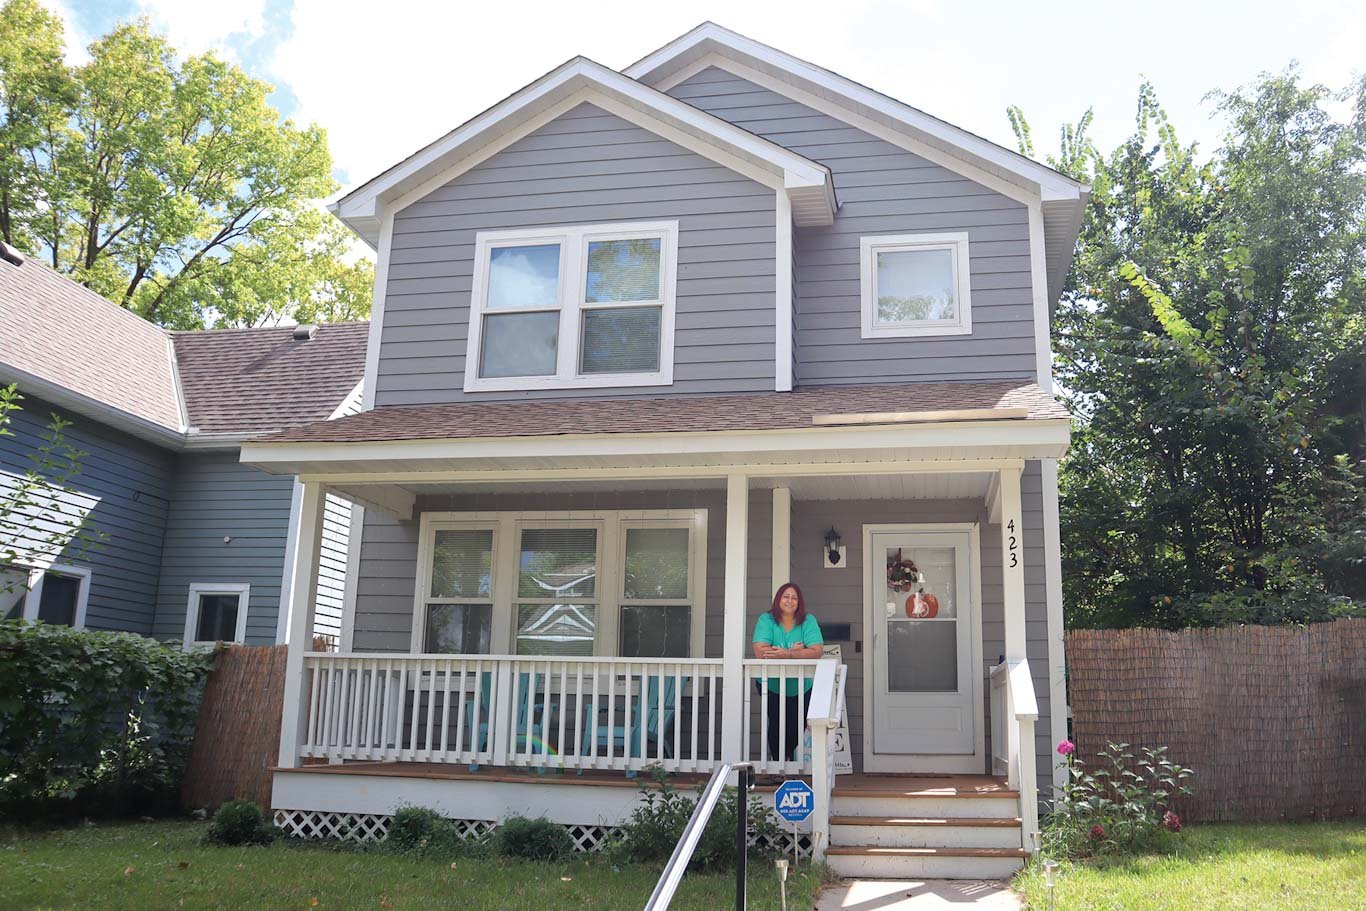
[[915, 284], [656, 604], [217, 612], [579, 306], [557, 591], [56, 595], [459, 596]]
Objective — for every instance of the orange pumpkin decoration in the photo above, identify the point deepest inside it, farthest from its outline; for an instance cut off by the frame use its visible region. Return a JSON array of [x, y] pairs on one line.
[[922, 606]]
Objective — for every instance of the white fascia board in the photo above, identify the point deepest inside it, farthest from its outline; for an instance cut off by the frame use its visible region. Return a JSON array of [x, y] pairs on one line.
[[709, 37], [712, 136], [1050, 435]]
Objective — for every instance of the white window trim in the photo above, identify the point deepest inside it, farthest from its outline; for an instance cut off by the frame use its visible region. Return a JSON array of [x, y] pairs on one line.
[[573, 240], [33, 597], [612, 525], [869, 246], [243, 592]]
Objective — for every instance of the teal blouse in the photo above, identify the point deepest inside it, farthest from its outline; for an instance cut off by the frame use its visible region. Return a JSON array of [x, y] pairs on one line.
[[771, 632]]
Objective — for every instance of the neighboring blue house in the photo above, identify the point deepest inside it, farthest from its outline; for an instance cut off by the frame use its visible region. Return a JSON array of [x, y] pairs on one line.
[[646, 346], [194, 544]]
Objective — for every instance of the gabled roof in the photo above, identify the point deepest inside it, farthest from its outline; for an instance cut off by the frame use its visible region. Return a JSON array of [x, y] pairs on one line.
[[1062, 197], [247, 381], [64, 343], [60, 340], [807, 183]]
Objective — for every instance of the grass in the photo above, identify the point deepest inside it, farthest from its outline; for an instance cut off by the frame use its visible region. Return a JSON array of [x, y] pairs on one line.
[[165, 865], [1269, 867]]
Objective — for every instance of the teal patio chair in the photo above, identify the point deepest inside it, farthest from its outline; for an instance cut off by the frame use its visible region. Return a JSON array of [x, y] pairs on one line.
[[526, 707], [648, 726]]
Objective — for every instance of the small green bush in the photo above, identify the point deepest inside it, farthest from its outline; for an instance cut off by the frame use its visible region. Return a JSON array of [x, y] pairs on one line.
[[656, 825], [420, 831], [239, 822], [532, 839]]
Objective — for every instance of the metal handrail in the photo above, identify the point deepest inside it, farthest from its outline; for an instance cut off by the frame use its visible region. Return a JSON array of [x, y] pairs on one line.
[[664, 890]]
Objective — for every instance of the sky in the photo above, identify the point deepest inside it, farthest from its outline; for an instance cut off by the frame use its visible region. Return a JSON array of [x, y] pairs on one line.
[[386, 78]]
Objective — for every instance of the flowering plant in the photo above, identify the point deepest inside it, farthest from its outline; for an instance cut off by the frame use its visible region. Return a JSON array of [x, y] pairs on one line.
[[1123, 805]]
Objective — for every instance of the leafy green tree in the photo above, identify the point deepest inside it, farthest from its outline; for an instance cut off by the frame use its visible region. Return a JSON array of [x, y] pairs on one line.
[[170, 186], [1212, 343]]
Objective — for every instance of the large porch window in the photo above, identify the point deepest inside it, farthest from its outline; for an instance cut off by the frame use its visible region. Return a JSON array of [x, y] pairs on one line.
[[618, 583]]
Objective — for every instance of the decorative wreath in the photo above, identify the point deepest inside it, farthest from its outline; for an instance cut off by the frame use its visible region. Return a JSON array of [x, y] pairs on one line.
[[902, 575]]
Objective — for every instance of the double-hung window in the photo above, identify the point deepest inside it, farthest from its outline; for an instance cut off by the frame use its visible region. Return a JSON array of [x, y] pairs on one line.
[[586, 306], [456, 590], [55, 594], [658, 590], [915, 285], [557, 589]]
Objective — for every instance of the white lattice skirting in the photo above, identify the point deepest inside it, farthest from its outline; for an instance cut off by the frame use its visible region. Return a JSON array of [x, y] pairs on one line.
[[367, 827]]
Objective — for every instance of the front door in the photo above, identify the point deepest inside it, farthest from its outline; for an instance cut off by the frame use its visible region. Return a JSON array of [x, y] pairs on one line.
[[921, 597]]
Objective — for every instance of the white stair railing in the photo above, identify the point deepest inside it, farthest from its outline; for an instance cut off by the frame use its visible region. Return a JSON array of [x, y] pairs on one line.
[[825, 718]]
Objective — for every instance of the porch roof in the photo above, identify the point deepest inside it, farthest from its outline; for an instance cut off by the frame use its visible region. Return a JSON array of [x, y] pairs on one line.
[[801, 409]]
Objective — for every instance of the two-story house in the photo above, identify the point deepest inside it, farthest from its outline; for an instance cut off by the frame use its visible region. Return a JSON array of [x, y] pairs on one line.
[[178, 539], [646, 346]]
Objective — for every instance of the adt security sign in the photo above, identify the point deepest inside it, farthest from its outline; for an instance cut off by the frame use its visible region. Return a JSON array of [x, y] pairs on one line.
[[794, 801]]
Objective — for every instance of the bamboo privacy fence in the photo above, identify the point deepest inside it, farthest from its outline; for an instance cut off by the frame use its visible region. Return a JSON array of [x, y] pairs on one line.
[[1272, 719], [237, 739]]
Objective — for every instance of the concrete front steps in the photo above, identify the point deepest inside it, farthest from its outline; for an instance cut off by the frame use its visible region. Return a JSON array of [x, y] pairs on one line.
[[901, 827]]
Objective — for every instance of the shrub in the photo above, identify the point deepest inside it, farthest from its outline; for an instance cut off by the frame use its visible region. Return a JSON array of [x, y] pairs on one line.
[[532, 839], [1122, 806], [239, 822], [93, 723], [656, 825], [418, 830]]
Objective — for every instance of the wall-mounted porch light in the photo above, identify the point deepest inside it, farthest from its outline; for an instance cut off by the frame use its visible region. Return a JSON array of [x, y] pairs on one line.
[[834, 549]]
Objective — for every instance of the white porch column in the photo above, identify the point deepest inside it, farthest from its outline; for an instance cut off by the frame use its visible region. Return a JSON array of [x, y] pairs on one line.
[[305, 589], [733, 647], [1012, 563], [782, 537]]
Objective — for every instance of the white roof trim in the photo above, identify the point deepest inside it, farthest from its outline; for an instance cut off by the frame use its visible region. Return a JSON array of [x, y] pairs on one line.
[[807, 183], [656, 68]]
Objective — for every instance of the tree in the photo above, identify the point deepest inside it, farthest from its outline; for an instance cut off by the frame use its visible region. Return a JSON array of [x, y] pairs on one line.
[[171, 187], [1212, 342]]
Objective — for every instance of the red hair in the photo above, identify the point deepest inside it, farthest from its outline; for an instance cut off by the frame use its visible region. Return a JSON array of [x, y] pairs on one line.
[[776, 612]]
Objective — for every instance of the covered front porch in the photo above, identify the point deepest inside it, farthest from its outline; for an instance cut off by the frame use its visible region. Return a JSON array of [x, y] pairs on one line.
[[585, 605]]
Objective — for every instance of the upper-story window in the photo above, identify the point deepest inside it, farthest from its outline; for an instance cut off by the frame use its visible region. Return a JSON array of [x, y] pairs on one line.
[[567, 307], [915, 284]]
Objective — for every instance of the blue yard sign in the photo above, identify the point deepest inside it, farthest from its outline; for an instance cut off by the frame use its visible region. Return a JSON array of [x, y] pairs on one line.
[[794, 801]]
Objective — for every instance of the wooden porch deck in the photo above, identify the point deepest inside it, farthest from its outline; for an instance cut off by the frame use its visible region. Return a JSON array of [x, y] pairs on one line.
[[862, 784]]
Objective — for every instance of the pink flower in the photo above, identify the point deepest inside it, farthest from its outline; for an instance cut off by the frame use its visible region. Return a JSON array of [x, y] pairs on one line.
[[1171, 821], [1097, 833], [1066, 748]]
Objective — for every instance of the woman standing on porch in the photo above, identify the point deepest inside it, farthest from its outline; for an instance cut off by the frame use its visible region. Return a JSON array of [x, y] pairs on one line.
[[786, 630]]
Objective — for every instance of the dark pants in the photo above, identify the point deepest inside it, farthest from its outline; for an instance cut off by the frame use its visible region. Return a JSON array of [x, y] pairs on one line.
[[777, 702]]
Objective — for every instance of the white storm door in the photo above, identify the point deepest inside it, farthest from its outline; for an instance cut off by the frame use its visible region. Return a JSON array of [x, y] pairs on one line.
[[923, 692]]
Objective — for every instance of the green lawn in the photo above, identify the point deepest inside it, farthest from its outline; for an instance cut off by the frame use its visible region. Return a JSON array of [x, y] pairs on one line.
[[164, 865], [1225, 867]]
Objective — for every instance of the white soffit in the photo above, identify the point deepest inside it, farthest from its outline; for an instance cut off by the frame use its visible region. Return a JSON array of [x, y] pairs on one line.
[[580, 80]]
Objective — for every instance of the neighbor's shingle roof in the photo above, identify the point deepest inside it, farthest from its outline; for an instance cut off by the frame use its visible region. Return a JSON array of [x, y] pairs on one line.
[[261, 380], [65, 334], [663, 414]]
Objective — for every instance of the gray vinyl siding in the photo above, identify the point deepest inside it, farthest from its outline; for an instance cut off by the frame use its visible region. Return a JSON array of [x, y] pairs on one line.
[[123, 489], [216, 497], [883, 189], [388, 571], [585, 167]]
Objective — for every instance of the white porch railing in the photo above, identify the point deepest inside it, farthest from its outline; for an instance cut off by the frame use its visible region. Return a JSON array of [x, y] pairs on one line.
[[552, 713], [1014, 710]]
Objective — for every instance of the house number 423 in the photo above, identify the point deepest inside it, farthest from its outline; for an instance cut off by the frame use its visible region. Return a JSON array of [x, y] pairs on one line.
[[1014, 546]]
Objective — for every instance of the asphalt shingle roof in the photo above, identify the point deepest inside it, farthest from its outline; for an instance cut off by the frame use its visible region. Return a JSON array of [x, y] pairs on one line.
[[665, 414], [62, 332], [260, 380]]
